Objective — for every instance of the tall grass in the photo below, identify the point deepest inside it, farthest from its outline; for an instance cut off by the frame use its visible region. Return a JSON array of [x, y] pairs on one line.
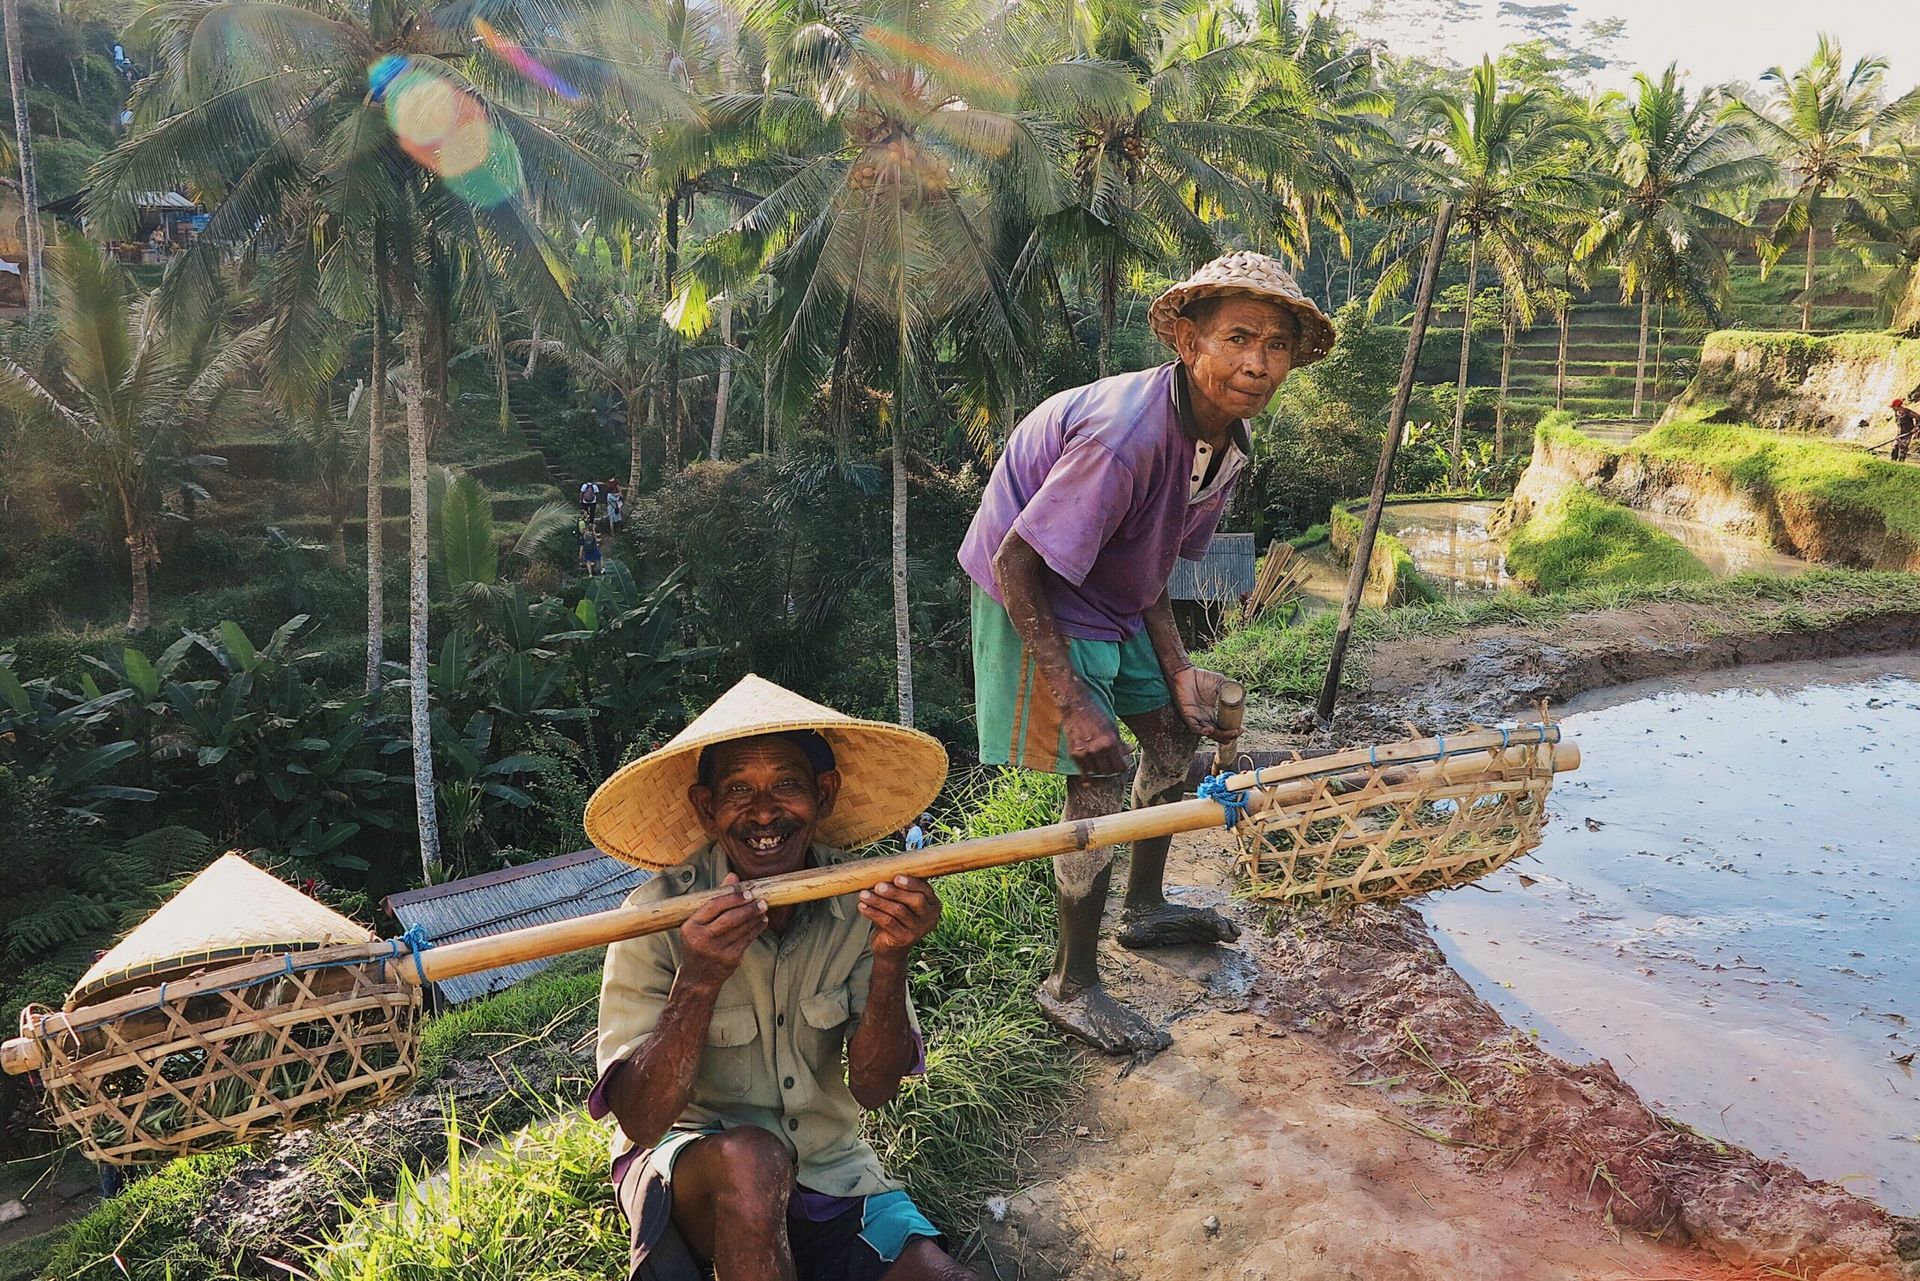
[[1578, 539], [997, 1074], [144, 1232]]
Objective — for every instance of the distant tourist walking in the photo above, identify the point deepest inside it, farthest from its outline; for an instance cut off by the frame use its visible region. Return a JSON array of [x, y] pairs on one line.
[[589, 500], [589, 549], [616, 504], [1907, 422]]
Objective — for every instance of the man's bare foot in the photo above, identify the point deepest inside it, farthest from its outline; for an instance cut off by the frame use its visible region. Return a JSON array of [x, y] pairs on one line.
[[1172, 923], [1101, 1021]]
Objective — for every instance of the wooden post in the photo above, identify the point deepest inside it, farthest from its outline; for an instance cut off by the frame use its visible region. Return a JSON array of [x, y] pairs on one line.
[[1370, 529], [1229, 713]]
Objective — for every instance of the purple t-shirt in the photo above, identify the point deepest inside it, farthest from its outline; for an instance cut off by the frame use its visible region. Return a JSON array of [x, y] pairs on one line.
[[1096, 480]]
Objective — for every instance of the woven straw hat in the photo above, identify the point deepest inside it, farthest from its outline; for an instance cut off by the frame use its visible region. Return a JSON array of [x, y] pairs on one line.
[[888, 775], [229, 911], [1253, 275]]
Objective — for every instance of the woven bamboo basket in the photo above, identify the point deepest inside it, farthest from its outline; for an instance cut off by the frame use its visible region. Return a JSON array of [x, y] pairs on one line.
[[273, 1044], [1380, 824]]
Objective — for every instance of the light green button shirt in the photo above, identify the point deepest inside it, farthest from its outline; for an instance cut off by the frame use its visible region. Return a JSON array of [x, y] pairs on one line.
[[776, 1048]]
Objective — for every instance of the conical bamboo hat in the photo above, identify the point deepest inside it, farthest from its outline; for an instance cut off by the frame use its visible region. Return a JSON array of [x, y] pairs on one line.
[[231, 910], [1251, 274], [888, 775]]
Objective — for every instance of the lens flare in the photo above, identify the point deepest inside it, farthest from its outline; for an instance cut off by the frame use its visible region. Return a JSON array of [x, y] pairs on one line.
[[529, 67], [444, 128]]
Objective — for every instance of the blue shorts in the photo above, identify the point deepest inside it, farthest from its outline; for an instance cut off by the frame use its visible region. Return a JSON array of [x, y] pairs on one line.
[[860, 1243]]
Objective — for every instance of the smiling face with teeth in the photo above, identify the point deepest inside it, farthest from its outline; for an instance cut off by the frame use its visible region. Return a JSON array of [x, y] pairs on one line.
[[762, 802]]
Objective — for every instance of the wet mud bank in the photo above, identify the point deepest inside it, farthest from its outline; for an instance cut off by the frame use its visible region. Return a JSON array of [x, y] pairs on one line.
[[1487, 673], [1377, 990]]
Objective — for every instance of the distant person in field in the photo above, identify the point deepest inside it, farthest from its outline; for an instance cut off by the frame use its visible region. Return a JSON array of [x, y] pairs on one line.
[[740, 1052], [1098, 492], [916, 838], [589, 500], [1908, 422]]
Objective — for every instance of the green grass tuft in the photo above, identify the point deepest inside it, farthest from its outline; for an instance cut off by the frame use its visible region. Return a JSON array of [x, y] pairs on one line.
[[1578, 539], [147, 1227]]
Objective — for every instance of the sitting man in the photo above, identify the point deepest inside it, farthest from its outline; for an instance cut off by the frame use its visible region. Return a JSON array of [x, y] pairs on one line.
[[737, 1052]]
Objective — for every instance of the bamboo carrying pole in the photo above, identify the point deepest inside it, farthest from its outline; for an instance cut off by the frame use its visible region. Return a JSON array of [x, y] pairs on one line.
[[1229, 713], [1269, 789], [1273, 789]]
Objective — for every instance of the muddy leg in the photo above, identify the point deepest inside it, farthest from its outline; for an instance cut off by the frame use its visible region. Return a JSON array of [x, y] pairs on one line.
[[1146, 918], [1072, 997]]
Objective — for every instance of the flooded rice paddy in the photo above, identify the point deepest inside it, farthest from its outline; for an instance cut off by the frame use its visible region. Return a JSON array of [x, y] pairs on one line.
[[1726, 907], [1452, 546]]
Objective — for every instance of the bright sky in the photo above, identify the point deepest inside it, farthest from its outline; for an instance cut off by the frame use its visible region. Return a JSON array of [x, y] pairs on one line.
[[1715, 40]]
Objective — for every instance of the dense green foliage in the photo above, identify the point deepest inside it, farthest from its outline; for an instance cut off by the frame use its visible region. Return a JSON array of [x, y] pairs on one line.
[[1578, 539]]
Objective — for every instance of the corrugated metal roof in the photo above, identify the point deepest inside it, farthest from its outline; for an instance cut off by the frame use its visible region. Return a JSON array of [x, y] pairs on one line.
[[552, 889], [1223, 577]]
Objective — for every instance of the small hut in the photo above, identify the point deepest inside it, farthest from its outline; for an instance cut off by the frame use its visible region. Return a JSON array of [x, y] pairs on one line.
[[551, 889], [1206, 592]]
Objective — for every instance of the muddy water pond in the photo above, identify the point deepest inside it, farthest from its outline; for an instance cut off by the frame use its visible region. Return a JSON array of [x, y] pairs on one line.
[[1726, 907]]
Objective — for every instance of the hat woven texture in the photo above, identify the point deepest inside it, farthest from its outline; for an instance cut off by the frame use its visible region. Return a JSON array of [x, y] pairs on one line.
[[1251, 275], [888, 775], [231, 910]]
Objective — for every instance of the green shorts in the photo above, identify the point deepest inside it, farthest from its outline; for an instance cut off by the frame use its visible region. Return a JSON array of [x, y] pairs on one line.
[[1019, 721]]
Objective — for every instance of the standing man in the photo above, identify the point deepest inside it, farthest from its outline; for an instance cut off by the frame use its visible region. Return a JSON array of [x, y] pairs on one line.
[[1099, 491]]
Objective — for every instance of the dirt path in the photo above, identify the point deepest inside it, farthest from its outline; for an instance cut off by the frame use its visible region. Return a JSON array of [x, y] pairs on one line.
[[1338, 1103], [1308, 1171]]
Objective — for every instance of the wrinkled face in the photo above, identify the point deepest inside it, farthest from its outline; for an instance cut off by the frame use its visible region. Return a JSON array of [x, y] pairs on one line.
[[764, 804], [1236, 352]]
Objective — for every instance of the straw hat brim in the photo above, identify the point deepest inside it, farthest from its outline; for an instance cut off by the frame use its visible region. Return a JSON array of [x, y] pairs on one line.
[[889, 774], [1316, 331], [230, 910]]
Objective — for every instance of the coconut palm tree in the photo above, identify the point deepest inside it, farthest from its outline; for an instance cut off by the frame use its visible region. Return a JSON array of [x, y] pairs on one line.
[[1883, 229], [1156, 170], [1502, 157], [882, 231], [400, 157], [125, 390], [1822, 122], [1676, 159]]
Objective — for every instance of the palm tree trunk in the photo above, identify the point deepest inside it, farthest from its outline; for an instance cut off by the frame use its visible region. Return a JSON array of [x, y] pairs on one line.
[[670, 391], [723, 384], [23, 145], [1508, 323], [140, 557], [1659, 348], [533, 352], [766, 406], [1560, 364], [635, 398], [1640, 366], [1466, 347], [1109, 305], [376, 475], [902, 618], [422, 722], [1806, 294], [337, 541]]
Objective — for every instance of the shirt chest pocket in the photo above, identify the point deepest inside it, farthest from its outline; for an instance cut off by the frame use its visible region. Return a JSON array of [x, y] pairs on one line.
[[727, 1061], [823, 1017]]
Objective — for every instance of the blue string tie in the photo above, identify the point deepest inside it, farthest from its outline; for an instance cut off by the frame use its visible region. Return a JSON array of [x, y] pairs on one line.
[[1214, 788], [417, 941]]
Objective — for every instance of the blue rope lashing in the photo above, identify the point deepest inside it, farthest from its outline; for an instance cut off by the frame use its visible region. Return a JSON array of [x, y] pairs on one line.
[[1214, 788], [417, 941]]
